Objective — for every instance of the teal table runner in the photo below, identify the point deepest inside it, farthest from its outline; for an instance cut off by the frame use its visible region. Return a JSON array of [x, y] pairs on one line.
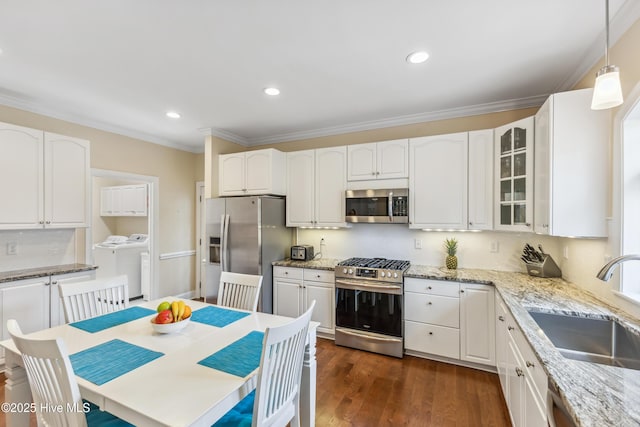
[[238, 358], [106, 321], [109, 360]]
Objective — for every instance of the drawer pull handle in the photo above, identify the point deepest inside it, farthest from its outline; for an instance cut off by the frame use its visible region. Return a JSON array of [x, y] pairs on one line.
[[529, 364], [501, 318]]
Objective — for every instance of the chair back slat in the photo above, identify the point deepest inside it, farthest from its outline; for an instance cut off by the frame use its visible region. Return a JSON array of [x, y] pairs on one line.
[[277, 398], [86, 299], [240, 291]]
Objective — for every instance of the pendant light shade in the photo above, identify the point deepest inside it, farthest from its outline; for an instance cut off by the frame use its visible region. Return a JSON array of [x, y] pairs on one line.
[[607, 92]]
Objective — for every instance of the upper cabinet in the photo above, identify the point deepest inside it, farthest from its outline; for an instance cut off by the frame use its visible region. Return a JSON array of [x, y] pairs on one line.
[[481, 180], [571, 173], [378, 160], [316, 184], [514, 176], [44, 179], [124, 200], [438, 182], [252, 172]]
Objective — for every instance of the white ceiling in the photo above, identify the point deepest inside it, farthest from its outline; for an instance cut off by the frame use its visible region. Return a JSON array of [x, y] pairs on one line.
[[119, 65]]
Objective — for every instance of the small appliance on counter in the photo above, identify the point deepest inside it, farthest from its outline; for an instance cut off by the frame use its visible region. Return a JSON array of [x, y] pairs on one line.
[[302, 253], [539, 263]]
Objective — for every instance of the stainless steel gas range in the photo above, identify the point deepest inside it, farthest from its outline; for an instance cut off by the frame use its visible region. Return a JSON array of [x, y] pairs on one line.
[[369, 304]]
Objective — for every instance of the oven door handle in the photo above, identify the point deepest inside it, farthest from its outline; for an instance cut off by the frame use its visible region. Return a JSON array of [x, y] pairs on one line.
[[369, 287], [367, 336], [390, 206]]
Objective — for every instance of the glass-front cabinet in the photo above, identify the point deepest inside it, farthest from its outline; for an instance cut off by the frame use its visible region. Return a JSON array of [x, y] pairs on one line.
[[514, 176]]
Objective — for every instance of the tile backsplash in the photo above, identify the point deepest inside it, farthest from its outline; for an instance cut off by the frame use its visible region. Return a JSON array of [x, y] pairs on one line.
[[20, 249]]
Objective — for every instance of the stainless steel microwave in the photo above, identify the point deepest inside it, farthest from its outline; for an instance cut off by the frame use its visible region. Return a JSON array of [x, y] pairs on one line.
[[388, 206]]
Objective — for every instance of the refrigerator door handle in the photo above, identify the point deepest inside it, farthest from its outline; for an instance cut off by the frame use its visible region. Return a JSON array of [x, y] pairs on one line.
[[225, 243], [222, 242]]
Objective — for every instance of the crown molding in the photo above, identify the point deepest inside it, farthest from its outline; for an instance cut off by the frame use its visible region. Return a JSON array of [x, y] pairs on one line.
[[226, 135]]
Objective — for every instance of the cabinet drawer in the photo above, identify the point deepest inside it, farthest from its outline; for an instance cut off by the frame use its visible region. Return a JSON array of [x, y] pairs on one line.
[[319, 275], [438, 340], [444, 288], [434, 309], [287, 272]]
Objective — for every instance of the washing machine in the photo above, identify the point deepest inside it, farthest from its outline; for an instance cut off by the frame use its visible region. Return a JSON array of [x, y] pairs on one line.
[[125, 255]]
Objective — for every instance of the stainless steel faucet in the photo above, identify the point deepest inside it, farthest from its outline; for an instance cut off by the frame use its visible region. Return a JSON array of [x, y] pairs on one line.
[[606, 272]]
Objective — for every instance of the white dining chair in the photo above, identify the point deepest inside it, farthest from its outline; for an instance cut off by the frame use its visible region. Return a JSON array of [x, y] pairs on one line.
[[276, 400], [53, 384], [240, 291], [90, 298]]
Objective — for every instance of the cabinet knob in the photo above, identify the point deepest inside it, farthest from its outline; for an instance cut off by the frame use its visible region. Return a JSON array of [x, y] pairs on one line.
[[47, 222], [430, 333], [511, 328], [501, 318], [286, 272], [470, 223], [377, 173], [40, 222], [519, 372], [530, 364], [429, 287], [318, 276], [462, 291], [373, 173], [429, 303], [528, 224]]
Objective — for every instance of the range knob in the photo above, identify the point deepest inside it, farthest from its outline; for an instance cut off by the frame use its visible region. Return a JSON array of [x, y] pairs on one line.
[[395, 275], [344, 270], [350, 271], [382, 274]]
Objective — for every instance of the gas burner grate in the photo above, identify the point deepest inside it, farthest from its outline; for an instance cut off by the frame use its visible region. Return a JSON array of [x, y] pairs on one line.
[[382, 263]]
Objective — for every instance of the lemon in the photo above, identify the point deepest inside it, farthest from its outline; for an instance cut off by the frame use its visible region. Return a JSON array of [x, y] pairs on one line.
[[163, 306]]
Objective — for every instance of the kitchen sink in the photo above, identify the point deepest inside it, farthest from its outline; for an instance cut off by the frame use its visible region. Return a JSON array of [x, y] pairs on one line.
[[591, 340]]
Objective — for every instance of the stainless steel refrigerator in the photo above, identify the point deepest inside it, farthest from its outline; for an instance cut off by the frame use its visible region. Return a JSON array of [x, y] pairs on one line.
[[245, 234]]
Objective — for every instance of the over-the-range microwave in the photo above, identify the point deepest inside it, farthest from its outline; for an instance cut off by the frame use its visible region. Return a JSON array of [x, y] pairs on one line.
[[388, 206]]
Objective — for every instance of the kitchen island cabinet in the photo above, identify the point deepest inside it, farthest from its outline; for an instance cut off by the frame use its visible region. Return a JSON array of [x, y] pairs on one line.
[[44, 179]]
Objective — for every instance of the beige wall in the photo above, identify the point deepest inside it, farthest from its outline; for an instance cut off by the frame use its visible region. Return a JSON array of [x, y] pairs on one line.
[[177, 171]]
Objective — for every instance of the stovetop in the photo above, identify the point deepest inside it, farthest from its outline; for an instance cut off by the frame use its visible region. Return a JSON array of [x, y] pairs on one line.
[[380, 263]]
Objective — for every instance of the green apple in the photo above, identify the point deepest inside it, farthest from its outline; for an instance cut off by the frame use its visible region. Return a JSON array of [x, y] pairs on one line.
[[163, 306]]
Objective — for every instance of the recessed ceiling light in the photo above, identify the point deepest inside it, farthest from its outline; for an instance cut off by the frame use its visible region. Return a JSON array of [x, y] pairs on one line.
[[273, 91], [173, 115], [417, 57]]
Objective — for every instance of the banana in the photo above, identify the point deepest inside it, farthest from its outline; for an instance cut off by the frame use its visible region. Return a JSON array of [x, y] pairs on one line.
[[180, 310], [175, 308]]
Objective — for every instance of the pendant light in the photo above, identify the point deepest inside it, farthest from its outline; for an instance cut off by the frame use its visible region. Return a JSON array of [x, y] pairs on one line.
[[607, 92]]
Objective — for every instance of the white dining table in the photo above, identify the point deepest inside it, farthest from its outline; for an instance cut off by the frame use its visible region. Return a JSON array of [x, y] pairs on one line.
[[172, 390]]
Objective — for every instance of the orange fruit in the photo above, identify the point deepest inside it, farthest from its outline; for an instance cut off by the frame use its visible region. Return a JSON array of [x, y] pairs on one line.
[[187, 312]]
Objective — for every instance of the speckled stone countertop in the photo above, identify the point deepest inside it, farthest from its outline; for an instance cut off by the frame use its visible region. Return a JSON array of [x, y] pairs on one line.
[[594, 394], [316, 264], [33, 273]]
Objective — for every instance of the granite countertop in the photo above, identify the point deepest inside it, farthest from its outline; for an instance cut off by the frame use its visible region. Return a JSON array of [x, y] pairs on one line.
[[316, 264], [594, 394], [33, 273]]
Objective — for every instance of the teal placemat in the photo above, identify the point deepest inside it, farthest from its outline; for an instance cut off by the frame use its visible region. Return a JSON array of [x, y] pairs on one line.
[[217, 316], [97, 324], [238, 358], [109, 360]]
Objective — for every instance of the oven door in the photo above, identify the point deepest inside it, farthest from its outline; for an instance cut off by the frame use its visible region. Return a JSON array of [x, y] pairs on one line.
[[375, 308]]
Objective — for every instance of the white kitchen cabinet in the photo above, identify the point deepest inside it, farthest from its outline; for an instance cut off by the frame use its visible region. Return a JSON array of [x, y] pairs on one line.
[[481, 183], [378, 160], [438, 182], [316, 182], [501, 342], [294, 289], [514, 150], [571, 166], [477, 327], [432, 317], [44, 179], [124, 200], [252, 173]]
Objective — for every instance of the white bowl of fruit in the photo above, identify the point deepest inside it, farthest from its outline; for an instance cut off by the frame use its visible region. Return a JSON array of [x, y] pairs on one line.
[[171, 317]]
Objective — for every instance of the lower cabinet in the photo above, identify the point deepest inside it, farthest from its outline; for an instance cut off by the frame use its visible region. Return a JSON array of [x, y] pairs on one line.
[[450, 319], [35, 303], [523, 381], [294, 289]]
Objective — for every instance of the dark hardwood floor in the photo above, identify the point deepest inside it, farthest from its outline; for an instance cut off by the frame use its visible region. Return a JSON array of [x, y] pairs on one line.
[[360, 389]]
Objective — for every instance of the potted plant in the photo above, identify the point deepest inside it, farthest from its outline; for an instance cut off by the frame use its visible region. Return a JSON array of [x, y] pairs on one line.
[[451, 246]]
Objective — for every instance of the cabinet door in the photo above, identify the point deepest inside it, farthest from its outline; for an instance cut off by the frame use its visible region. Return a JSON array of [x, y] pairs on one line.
[[477, 326], [330, 185], [21, 177], [231, 174], [134, 200], [56, 309], [481, 180], [392, 159], [501, 342], [542, 167], [514, 176], [362, 162], [300, 188], [288, 297], [438, 182], [27, 301], [106, 201], [67, 180], [324, 311], [515, 379], [258, 172]]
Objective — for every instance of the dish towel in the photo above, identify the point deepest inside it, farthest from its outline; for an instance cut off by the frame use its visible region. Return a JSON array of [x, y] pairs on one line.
[[106, 321], [217, 316], [238, 358], [109, 360]]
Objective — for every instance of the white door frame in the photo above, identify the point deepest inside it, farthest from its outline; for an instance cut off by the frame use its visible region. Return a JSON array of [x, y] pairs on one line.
[[153, 221], [201, 239]]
